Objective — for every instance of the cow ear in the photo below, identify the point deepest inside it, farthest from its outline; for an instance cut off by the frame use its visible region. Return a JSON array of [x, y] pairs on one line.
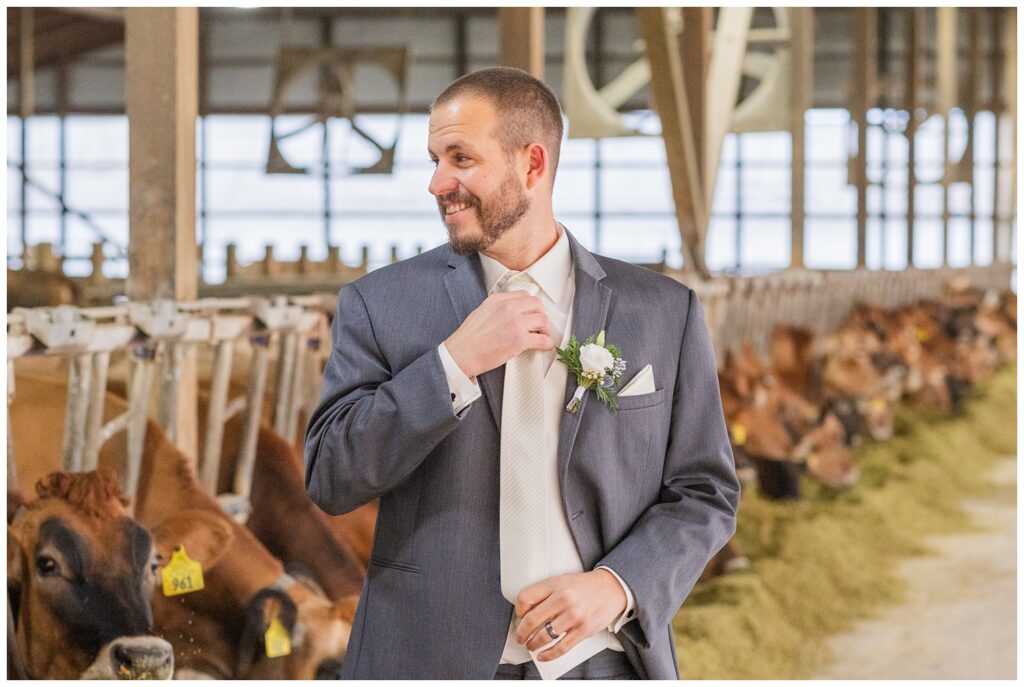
[[345, 608], [15, 506], [205, 536], [15, 560]]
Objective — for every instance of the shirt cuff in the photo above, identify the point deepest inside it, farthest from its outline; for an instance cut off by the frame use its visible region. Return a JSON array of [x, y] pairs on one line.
[[630, 611], [463, 391]]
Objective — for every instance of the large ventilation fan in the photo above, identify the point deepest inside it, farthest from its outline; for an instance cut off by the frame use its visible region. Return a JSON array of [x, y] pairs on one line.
[[766, 68]]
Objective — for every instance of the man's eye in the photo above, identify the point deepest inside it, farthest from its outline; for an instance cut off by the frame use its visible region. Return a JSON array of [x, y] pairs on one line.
[[433, 161], [461, 158]]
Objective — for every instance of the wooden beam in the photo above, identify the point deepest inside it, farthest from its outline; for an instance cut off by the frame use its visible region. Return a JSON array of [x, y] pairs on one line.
[[801, 99], [695, 52], [913, 89], [724, 71], [970, 108], [26, 64], [161, 84], [863, 97], [108, 14], [1006, 150], [669, 95], [522, 38], [68, 40], [946, 98]]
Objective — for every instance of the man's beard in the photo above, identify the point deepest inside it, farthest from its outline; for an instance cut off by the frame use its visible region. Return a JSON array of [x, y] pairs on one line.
[[496, 217]]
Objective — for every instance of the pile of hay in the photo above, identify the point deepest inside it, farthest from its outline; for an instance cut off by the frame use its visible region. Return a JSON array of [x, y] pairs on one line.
[[820, 564]]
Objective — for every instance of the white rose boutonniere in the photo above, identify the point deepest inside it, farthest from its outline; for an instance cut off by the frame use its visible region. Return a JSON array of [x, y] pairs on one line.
[[597, 366]]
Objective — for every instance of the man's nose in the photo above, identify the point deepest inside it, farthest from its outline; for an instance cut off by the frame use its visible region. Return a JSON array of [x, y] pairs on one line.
[[442, 183]]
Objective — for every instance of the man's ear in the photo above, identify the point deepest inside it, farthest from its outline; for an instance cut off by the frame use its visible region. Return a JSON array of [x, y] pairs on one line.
[[539, 165]]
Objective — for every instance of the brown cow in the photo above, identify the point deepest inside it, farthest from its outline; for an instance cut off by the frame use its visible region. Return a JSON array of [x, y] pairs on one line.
[[284, 518], [168, 484], [80, 574]]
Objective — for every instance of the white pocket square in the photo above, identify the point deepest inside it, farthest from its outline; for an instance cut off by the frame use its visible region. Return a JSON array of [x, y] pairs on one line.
[[642, 383]]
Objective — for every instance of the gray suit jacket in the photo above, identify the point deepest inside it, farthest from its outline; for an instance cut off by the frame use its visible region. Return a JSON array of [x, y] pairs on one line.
[[651, 491]]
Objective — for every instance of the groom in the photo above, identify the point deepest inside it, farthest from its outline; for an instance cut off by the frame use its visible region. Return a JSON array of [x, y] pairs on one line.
[[517, 539]]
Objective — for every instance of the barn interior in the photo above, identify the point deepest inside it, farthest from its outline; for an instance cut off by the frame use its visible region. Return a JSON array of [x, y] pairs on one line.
[[189, 188]]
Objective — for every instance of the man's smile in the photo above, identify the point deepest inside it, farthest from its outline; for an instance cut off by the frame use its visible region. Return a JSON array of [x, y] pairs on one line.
[[455, 208]]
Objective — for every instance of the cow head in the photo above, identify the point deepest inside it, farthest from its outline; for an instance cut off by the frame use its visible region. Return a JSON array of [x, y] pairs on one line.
[[318, 631], [79, 575], [828, 458]]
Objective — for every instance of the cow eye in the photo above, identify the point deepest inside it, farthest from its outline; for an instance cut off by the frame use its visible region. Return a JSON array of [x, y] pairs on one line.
[[46, 566]]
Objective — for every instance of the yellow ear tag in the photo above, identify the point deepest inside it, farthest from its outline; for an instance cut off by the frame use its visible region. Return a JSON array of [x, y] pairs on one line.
[[276, 640], [812, 461], [739, 434], [877, 405], [922, 334], [182, 575]]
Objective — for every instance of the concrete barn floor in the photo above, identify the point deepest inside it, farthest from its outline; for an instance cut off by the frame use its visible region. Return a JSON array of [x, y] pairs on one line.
[[959, 620]]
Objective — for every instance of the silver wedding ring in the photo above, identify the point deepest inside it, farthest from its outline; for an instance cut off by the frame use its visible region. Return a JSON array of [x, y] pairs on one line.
[[551, 630]]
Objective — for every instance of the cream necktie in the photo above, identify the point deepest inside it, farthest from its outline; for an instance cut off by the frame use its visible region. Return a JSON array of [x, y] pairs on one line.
[[522, 513]]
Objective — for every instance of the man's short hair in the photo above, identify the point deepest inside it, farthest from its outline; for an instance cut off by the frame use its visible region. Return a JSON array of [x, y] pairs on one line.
[[527, 109]]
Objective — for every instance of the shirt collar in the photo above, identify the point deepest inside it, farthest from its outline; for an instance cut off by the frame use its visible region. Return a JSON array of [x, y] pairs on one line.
[[550, 271]]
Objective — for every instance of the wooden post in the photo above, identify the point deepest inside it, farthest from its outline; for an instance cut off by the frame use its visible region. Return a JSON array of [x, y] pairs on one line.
[[970, 108], [914, 88], [695, 52], [725, 71], [26, 104], [865, 89], [802, 38], [26, 63], [522, 38], [946, 99], [669, 95], [1005, 208], [161, 84]]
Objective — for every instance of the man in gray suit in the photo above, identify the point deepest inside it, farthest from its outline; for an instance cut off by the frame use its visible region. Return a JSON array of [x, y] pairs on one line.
[[606, 518]]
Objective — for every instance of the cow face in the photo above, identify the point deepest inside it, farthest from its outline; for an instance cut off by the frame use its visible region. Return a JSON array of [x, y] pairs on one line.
[[318, 630], [79, 575], [828, 458]]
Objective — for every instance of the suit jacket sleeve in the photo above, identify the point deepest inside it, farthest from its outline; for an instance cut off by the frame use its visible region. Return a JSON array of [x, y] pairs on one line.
[[666, 551], [373, 425]]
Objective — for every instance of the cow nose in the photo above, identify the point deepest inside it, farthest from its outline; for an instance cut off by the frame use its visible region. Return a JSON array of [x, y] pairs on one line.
[[142, 658], [329, 669]]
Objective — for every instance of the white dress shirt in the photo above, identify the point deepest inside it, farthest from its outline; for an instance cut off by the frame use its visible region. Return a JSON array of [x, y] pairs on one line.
[[554, 273]]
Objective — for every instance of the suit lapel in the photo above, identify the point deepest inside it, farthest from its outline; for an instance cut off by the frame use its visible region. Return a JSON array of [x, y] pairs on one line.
[[465, 283], [590, 310]]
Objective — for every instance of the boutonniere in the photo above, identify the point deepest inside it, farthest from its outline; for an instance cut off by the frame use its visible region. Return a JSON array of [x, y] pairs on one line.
[[597, 366]]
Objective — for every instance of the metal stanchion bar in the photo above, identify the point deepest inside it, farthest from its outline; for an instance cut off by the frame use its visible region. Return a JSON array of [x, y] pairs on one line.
[[138, 403], [253, 417], [94, 417], [170, 383], [79, 376], [282, 382], [210, 465]]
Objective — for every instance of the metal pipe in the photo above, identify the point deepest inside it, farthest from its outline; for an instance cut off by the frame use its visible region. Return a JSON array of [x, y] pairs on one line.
[[253, 417], [170, 384], [138, 402], [282, 383], [210, 465], [94, 417], [297, 387], [79, 377]]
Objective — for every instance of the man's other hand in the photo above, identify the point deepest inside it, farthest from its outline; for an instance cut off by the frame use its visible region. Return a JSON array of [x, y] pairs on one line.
[[502, 327], [580, 604]]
